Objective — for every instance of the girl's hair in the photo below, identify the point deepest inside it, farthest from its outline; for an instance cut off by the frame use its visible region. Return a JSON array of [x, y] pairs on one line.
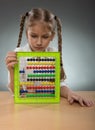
[[39, 14]]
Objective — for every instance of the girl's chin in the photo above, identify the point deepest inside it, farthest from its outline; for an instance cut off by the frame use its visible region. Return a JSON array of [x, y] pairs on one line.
[[38, 49]]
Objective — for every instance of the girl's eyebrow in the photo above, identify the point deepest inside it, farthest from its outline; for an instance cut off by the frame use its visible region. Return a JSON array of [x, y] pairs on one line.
[[33, 33], [46, 34]]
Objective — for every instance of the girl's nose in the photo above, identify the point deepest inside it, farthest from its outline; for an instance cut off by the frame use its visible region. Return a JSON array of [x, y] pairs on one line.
[[39, 42]]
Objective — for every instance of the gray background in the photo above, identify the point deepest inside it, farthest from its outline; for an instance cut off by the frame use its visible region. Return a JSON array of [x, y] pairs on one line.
[[78, 21]]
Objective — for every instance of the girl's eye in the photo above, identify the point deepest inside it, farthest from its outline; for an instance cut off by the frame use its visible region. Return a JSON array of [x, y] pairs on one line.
[[34, 36], [45, 37]]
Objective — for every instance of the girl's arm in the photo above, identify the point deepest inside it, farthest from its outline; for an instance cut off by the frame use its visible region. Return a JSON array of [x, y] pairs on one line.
[[11, 60], [64, 91], [11, 81]]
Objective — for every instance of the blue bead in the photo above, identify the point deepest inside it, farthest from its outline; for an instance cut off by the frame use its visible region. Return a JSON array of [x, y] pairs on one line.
[[22, 71], [23, 91]]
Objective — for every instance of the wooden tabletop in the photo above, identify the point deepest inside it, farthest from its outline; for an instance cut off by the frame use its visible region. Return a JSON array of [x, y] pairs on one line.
[[62, 116]]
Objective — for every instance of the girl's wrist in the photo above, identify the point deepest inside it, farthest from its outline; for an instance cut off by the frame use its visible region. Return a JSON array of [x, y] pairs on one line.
[[65, 91], [11, 69]]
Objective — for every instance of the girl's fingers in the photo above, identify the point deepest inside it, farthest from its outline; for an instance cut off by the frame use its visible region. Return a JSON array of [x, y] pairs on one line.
[[11, 54], [88, 102], [78, 99], [81, 102], [71, 101], [11, 65], [11, 59]]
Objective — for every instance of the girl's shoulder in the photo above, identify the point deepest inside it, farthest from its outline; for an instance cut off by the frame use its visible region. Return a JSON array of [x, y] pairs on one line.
[[51, 49], [23, 48]]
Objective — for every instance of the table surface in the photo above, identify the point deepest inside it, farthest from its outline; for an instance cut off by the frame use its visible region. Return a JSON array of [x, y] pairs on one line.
[[62, 116]]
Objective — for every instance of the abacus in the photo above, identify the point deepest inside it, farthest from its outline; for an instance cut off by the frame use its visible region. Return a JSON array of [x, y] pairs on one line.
[[37, 77]]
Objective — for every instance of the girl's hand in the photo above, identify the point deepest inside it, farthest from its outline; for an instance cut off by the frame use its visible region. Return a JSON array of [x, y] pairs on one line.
[[73, 97], [11, 60]]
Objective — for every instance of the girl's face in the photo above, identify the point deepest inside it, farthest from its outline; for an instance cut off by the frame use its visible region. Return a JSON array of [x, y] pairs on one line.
[[39, 36]]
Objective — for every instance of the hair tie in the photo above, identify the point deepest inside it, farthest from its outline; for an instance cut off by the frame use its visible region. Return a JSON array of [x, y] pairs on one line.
[[61, 64], [26, 14], [55, 17]]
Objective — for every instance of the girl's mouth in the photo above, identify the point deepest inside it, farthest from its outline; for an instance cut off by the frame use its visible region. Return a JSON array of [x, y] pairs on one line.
[[39, 48]]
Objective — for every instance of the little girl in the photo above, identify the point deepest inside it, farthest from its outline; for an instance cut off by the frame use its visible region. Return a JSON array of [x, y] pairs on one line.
[[41, 26]]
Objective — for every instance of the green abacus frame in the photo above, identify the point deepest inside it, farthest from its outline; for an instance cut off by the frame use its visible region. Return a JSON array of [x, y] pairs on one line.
[[56, 98]]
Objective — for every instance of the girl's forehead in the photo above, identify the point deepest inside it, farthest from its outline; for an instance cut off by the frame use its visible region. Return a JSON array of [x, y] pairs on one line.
[[39, 27], [40, 22]]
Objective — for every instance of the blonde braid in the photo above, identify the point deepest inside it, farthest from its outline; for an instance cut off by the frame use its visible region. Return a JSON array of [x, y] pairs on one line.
[[59, 32], [21, 28]]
